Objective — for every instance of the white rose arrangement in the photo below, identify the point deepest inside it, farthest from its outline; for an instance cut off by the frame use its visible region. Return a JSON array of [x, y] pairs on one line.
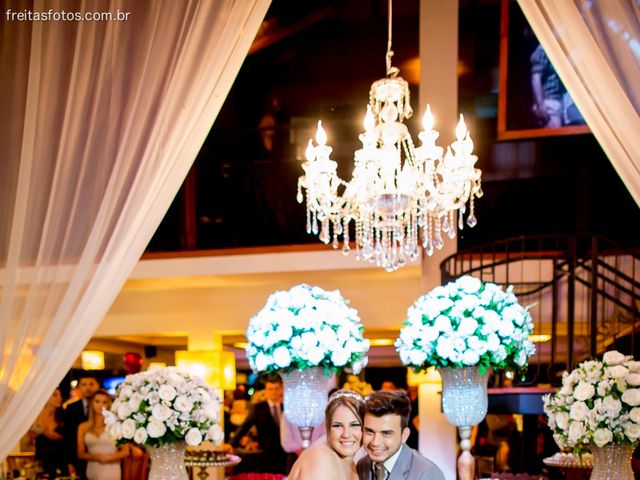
[[164, 405], [306, 327], [599, 403], [467, 323]]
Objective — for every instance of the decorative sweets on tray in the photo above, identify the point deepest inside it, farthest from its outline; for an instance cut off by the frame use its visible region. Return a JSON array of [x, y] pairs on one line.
[[207, 453]]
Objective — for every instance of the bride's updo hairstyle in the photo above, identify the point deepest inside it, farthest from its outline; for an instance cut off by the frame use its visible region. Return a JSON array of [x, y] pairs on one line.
[[347, 398]]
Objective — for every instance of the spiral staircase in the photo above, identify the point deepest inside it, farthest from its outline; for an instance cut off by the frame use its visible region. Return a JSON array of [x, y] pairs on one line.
[[583, 292]]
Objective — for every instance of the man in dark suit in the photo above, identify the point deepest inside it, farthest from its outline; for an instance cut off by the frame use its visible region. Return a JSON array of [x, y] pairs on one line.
[[386, 429], [76, 413], [266, 418]]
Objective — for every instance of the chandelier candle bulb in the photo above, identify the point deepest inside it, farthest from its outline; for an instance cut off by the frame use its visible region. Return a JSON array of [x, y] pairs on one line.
[[428, 120], [369, 123], [321, 135], [461, 129]]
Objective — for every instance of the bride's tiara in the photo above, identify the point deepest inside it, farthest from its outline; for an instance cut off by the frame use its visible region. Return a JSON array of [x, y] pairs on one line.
[[346, 394]]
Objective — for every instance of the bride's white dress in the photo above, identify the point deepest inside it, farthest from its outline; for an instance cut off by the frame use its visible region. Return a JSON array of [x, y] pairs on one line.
[[101, 444]]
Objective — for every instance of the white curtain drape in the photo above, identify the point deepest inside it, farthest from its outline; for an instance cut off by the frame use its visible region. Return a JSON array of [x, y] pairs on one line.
[[594, 46], [99, 124]]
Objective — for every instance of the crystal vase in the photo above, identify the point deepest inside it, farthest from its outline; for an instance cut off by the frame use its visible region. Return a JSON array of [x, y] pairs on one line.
[[464, 403], [612, 462], [305, 398], [167, 462]]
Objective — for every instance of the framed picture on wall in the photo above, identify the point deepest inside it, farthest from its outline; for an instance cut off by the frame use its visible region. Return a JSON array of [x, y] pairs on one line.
[[532, 101]]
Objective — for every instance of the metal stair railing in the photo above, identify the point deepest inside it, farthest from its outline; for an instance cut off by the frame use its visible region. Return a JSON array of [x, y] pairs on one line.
[[584, 291]]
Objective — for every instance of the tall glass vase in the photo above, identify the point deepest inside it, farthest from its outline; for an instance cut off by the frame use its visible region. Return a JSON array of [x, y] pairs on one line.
[[167, 462], [464, 403], [305, 398], [612, 462]]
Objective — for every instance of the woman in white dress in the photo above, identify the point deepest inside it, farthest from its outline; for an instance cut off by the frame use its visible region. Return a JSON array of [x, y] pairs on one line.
[[334, 459], [96, 445]]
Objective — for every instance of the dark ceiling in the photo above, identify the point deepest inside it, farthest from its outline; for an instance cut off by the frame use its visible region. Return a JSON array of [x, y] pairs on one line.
[[316, 60]]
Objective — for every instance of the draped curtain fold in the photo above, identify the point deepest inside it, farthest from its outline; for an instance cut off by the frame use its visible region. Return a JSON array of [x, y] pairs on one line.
[[100, 123], [594, 46]]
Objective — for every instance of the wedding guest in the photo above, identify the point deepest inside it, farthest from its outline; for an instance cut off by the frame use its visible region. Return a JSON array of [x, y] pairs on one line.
[[96, 445], [414, 419], [76, 413], [545, 445], [49, 440], [501, 429], [239, 408], [388, 385], [74, 395], [386, 429], [265, 416]]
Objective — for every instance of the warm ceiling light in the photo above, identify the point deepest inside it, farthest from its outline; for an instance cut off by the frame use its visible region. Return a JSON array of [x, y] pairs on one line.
[[92, 360], [218, 368], [539, 338], [400, 196], [380, 342], [430, 375]]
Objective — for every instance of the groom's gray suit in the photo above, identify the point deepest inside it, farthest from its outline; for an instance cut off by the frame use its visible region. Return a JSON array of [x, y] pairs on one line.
[[409, 466]]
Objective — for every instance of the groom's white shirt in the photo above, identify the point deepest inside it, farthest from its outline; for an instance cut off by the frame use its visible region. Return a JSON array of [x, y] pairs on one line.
[[390, 462]]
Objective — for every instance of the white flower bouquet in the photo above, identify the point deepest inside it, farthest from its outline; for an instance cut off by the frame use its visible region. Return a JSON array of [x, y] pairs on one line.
[[599, 403], [164, 405], [466, 323], [306, 327]]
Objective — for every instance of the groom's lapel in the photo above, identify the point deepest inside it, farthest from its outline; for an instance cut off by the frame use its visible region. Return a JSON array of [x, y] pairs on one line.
[[402, 466]]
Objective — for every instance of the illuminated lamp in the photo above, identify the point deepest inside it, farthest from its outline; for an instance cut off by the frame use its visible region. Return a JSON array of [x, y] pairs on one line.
[[430, 375], [92, 360], [218, 368]]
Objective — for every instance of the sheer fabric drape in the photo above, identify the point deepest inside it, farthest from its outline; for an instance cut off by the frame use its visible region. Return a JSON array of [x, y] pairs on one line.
[[595, 47], [99, 124]]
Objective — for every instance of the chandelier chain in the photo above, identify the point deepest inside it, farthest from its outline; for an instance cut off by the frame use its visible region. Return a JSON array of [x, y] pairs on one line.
[[391, 71]]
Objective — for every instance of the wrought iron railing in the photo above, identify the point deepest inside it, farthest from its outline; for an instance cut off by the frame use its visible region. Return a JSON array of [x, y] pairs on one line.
[[584, 292]]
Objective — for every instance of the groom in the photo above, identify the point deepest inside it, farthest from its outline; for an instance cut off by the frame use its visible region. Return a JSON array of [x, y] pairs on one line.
[[386, 429]]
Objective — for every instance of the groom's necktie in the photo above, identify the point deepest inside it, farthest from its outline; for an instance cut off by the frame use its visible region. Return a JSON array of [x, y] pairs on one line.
[[379, 471]]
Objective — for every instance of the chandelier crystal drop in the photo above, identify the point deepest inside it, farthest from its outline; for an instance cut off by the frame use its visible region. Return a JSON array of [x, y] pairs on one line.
[[400, 196]]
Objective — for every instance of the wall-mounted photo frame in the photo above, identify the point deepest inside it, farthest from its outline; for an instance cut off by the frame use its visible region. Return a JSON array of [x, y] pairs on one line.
[[532, 101]]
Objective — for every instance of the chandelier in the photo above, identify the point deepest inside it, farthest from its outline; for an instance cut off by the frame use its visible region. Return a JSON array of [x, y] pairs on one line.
[[400, 196]]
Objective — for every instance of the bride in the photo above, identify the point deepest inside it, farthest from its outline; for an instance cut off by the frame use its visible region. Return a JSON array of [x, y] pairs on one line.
[[333, 460]]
